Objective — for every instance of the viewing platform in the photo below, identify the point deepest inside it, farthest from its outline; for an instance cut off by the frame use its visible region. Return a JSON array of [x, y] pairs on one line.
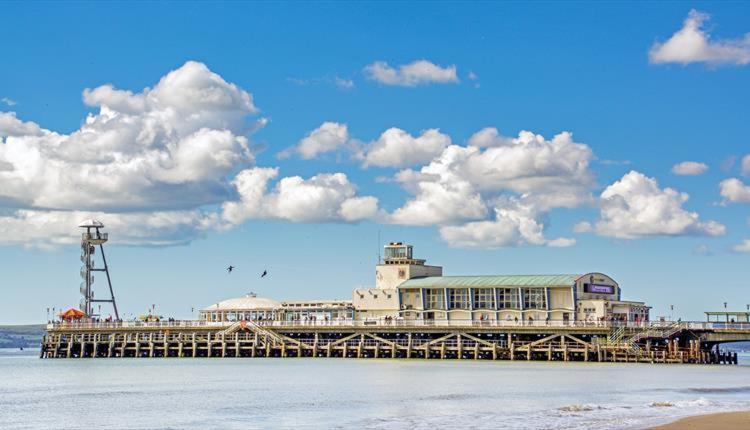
[[652, 342]]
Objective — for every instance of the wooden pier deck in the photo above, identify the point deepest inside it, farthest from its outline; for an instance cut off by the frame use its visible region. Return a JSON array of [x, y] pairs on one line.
[[472, 340]]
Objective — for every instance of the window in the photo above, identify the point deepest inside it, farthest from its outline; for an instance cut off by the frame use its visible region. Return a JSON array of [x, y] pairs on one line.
[[507, 298], [534, 298], [401, 273], [484, 298], [397, 252], [434, 298], [458, 298]]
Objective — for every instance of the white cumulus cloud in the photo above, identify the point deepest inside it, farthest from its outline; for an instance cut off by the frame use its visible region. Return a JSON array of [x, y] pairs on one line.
[[394, 148], [497, 190], [438, 200], [743, 246], [635, 206], [47, 229], [515, 223], [154, 165], [689, 168], [735, 191], [166, 148], [746, 165], [343, 83], [329, 136], [420, 72], [10, 125], [397, 148], [692, 44], [322, 198]]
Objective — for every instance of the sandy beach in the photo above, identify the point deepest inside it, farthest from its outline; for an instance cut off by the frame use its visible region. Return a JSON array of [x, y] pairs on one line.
[[724, 421]]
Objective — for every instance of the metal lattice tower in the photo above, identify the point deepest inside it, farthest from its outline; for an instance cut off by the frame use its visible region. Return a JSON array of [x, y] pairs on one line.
[[89, 241]]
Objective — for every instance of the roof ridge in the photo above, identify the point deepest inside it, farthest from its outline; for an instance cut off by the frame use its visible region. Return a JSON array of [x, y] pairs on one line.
[[493, 280], [528, 274]]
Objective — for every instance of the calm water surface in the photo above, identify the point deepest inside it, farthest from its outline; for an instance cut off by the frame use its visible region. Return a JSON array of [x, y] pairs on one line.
[[346, 393]]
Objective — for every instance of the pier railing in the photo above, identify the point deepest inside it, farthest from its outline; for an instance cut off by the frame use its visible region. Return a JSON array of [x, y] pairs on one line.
[[135, 324], [383, 323]]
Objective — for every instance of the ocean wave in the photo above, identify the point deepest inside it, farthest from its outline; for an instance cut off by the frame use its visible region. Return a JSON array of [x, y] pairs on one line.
[[700, 402], [450, 397], [725, 390], [580, 408]]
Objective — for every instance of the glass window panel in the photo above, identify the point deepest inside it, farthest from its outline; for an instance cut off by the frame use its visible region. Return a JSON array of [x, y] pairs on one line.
[[458, 298], [434, 298], [484, 298], [534, 298], [507, 298]]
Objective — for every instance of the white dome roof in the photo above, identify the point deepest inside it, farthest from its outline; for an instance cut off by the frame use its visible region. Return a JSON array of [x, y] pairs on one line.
[[92, 223], [246, 302]]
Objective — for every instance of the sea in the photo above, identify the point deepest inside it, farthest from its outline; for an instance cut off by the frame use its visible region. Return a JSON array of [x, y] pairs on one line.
[[259, 393]]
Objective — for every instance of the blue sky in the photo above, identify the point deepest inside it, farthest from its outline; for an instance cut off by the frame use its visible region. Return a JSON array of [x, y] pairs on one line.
[[636, 94]]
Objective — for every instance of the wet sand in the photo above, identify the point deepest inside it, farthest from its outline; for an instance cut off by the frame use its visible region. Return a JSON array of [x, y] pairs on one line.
[[723, 421]]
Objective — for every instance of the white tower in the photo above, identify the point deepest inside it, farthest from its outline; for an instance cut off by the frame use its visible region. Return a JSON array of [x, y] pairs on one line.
[[89, 240], [400, 265]]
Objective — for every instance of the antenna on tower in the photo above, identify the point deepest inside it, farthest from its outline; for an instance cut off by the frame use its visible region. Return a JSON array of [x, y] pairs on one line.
[[378, 246], [89, 240]]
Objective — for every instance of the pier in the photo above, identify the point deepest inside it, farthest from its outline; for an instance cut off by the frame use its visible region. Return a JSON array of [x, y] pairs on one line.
[[683, 342], [413, 312]]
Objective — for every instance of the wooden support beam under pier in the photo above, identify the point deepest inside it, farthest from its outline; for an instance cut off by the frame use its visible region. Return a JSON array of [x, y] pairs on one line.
[[393, 342]]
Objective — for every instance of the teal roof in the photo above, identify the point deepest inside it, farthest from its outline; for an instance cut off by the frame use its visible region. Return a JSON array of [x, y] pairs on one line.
[[491, 281]]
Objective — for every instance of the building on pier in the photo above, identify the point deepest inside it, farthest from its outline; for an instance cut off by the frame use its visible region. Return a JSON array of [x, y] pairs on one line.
[[320, 310], [250, 307], [405, 287], [728, 317], [408, 289]]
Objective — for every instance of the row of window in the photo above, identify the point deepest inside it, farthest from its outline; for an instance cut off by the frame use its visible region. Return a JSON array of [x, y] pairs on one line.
[[288, 315], [485, 298]]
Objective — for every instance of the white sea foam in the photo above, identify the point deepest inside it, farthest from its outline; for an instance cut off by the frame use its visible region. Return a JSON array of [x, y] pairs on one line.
[[580, 408]]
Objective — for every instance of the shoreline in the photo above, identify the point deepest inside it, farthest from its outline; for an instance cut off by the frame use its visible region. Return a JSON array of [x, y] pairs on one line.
[[739, 420]]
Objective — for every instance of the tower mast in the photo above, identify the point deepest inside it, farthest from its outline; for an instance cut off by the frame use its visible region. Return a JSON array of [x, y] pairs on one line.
[[90, 239]]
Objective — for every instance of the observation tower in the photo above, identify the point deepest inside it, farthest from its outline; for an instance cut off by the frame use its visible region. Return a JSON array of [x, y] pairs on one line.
[[90, 239]]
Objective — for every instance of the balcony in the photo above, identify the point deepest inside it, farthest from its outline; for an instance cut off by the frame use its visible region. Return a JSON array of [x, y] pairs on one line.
[[95, 238]]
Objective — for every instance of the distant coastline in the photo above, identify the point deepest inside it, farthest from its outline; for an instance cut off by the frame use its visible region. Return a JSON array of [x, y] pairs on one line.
[[21, 336]]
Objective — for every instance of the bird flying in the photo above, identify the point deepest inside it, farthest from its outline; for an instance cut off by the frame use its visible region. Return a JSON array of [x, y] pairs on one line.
[[230, 268], [263, 275]]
